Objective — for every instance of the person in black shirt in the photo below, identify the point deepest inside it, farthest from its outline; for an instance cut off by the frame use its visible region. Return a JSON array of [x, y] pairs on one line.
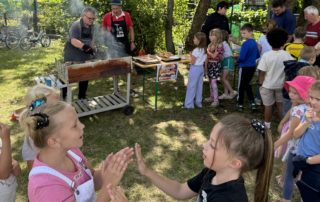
[[217, 19], [236, 145]]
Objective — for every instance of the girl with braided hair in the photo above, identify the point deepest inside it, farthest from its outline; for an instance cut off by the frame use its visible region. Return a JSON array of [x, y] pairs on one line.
[[236, 145]]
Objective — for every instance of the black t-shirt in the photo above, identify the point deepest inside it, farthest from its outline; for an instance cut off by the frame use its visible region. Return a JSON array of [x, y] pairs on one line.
[[232, 191]]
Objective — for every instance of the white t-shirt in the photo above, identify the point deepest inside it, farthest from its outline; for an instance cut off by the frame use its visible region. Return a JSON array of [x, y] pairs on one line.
[[227, 50], [272, 63], [263, 42], [200, 56]]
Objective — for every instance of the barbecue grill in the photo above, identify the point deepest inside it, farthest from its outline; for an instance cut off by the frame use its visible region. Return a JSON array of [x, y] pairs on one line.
[[71, 73]]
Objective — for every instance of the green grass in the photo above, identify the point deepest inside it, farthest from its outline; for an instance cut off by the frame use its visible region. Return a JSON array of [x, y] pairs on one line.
[[171, 138]]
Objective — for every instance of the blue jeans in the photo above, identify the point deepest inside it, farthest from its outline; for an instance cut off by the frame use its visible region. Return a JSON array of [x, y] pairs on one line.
[[288, 179]]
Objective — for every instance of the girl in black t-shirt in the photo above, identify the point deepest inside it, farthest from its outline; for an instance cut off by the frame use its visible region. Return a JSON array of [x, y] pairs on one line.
[[236, 145]]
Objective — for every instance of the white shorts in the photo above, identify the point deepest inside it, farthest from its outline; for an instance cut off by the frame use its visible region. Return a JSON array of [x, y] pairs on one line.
[[8, 188], [29, 151]]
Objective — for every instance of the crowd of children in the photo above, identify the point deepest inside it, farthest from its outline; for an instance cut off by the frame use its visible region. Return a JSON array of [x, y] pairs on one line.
[[287, 79]]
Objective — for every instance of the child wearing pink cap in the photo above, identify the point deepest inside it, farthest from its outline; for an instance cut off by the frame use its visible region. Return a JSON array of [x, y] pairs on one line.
[[298, 92]]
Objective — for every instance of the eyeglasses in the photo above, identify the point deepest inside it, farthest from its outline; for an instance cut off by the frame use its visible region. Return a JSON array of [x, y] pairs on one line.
[[91, 18]]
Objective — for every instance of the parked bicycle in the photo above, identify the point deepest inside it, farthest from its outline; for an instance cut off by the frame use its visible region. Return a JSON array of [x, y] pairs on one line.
[[33, 39], [9, 37]]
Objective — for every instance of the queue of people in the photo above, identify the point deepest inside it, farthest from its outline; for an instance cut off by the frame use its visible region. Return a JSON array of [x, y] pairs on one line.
[[59, 171]]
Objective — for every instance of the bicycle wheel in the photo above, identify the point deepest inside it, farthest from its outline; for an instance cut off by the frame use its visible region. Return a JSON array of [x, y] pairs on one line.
[[45, 41], [25, 43], [12, 41]]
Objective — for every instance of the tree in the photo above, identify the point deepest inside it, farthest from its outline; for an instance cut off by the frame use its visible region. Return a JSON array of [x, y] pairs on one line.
[[197, 21], [168, 27]]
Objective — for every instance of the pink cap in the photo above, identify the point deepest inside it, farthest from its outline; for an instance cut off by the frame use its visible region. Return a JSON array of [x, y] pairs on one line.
[[301, 84]]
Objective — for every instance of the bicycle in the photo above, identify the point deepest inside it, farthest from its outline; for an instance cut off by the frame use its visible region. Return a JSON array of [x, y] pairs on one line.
[[9, 37], [31, 40]]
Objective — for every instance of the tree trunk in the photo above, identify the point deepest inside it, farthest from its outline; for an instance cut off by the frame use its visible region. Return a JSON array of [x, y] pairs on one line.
[[198, 19], [301, 20], [168, 26], [35, 16]]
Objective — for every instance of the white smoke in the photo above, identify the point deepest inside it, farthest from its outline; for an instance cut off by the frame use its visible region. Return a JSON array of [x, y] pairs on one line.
[[105, 42], [76, 7]]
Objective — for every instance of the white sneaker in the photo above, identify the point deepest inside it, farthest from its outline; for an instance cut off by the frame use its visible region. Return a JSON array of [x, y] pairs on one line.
[[214, 104], [224, 96], [233, 94], [208, 99], [257, 101]]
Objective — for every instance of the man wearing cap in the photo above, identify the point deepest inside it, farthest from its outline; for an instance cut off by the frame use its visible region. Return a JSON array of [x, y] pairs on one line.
[[217, 20], [78, 48], [119, 23]]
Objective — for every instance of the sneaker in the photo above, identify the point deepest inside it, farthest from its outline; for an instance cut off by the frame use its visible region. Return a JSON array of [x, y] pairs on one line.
[[214, 104], [239, 108], [253, 106], [233, 94], [224, 97], [208, 99], [257, 101]]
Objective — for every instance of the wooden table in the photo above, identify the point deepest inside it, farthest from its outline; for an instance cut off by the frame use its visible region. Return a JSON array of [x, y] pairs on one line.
[[145, 67]]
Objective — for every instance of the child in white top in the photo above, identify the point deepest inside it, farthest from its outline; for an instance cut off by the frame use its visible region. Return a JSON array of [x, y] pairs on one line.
[[271, 73], [298, 92], [227, 65], [195, 79]]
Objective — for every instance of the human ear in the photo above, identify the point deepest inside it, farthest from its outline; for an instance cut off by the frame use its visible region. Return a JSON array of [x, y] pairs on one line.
[[236, 163]]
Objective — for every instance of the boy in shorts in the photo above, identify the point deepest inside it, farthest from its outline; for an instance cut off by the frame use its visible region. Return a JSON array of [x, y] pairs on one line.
[[271, 73]]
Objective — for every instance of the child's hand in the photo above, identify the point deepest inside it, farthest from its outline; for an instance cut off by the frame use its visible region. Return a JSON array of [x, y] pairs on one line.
[[311, 115], [113, 168], [4, 131], [116, 194], [16, 170], [280, 126], [140, 161]]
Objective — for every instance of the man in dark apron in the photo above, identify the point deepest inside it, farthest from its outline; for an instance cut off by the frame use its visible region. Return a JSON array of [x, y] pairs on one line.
[[78, 48], [119, 24]]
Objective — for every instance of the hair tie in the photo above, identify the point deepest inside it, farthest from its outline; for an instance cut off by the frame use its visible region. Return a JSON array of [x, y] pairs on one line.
[[42, 120], [258, 126], [37, 103]]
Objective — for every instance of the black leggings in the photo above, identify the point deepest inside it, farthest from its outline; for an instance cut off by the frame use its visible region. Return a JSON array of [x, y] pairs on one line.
[[245, 77]]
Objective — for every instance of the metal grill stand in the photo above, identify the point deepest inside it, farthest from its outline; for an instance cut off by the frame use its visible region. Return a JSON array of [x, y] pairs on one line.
[[71, 74]]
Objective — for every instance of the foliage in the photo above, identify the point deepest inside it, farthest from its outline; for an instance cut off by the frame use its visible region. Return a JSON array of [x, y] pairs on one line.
[[256, 17]]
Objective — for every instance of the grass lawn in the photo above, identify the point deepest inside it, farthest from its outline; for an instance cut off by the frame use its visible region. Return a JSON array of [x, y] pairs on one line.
[[171, 138]]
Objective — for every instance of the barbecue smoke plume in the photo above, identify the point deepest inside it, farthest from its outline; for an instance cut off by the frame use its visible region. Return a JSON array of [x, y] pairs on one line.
[[105, 43]]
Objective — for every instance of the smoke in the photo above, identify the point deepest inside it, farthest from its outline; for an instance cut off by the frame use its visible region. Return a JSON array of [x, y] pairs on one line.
[[76, 7], [106, 44]]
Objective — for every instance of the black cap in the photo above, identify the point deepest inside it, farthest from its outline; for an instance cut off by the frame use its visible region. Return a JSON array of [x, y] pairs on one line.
[[115, 2]]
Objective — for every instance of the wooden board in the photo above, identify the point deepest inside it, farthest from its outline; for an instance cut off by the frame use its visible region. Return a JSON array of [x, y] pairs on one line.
[[95, 70], [98, 104]]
